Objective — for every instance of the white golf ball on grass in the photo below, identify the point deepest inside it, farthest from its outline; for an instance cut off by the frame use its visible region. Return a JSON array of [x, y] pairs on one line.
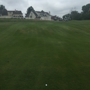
[[46, 85]]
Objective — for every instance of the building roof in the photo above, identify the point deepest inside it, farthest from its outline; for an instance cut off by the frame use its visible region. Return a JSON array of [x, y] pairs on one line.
[[10, 11], [16, 12], [42, 13], [31, 10]]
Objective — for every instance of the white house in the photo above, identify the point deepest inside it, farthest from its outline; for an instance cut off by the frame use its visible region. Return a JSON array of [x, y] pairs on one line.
[[11, 14], [41, 15], [15, 14]]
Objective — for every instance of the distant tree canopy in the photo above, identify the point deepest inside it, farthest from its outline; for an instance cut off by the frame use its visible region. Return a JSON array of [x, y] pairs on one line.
[[29, 9], [3, 10], [86, 12], [75, 15], [2, 7], [86, 8]]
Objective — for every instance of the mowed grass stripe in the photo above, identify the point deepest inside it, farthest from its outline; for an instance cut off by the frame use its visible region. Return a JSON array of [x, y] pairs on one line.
[[35, 53]]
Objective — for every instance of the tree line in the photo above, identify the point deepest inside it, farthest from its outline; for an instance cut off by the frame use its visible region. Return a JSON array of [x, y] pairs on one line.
[[75, 15], [2, 7]]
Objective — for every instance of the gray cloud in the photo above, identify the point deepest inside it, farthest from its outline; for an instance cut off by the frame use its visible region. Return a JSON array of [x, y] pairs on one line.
[[56, 7]]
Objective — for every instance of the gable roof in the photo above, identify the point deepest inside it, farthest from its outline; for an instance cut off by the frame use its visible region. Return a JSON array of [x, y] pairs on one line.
[[10, 11], [16, 12], [42, 13], [31, 10]]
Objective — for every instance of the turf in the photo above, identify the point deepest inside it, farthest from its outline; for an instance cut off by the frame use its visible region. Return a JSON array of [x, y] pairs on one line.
[[35, 53]]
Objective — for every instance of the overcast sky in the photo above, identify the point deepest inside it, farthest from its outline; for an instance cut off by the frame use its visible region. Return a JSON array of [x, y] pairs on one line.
[[56, 7]]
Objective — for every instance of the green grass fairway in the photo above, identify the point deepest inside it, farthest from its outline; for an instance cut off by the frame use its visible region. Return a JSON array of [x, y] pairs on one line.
[[35, 53]]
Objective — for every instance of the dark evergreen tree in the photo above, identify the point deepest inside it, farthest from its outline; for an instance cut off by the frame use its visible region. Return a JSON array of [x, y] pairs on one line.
[[2, 7]]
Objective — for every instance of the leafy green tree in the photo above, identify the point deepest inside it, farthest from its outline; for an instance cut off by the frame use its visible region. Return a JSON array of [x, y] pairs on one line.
[[84, 15], [2, 7], [29, 9], [86, 8], [86, 12], [75, 15], [3, 10]]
